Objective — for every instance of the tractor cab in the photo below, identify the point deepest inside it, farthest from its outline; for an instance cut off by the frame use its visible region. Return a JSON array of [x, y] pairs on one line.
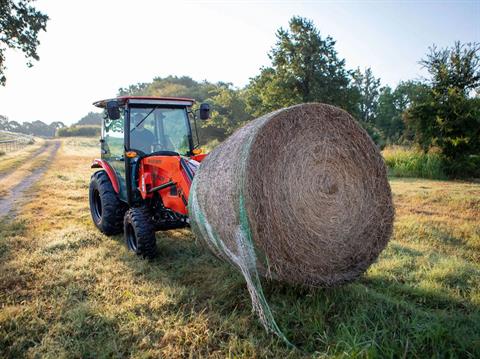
[[149, 157]]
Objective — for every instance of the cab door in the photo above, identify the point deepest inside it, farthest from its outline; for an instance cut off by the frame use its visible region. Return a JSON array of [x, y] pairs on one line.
[[113, 149]]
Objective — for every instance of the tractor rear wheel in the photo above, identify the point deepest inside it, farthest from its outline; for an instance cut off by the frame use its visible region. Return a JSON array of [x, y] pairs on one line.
[[139, 232], [105, 207]]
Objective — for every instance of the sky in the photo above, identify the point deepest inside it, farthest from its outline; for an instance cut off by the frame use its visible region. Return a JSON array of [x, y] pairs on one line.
[[92, 48]]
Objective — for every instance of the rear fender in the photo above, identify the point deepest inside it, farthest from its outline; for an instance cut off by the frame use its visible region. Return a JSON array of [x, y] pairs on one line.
[[110, 172]]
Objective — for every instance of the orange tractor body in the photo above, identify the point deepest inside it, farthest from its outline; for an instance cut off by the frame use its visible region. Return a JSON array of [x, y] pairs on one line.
[[148, 161]]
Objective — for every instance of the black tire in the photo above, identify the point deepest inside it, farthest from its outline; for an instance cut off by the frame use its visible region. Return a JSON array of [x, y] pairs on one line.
[[139, 232], [105, 207]]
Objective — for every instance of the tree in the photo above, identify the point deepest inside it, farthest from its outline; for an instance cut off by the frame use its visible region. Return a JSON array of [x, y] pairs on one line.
[[171, 86], [3, 122], [14, 126], [305, 68], [228, 103], [133, 90], [449, 116], [92, 118], [368, 90], [54, 126], [456, 68], [228, 110], [20, 24], [392, 104]]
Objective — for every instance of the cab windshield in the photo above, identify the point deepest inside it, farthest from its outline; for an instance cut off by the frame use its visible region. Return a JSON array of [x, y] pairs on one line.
[[154, 129]]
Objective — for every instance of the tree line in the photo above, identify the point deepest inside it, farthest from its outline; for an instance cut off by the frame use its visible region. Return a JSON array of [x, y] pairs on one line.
[[438, 113], [88, 125], [35, 128]]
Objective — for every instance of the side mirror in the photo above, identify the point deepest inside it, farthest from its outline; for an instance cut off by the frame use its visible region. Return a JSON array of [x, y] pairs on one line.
[[113, 110], [204, 111]]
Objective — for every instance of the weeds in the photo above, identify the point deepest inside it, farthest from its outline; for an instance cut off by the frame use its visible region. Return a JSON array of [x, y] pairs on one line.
[[404, 162]]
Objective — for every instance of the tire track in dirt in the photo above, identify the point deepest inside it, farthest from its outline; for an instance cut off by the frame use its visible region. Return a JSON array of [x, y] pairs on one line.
[[33, 155], [16, 194]]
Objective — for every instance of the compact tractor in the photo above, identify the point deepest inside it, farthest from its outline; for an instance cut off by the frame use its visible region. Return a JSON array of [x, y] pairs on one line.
[[148, 160]]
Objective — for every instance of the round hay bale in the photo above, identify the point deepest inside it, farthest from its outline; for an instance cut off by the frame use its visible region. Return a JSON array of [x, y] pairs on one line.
[[299, 195]]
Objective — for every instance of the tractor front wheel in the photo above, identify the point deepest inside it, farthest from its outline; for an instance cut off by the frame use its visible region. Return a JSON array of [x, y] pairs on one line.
[[106, 208], [139, 232]]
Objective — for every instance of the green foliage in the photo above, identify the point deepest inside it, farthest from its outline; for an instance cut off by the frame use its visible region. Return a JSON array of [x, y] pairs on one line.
[[171, 86], [305, 68], [92, 118], [228, 104], [375, 134], [408, 162], [75, 131], [368, 90], [463, 167], [456, 68], [20, 24], [228, 110], [448, 117], [208, 147], [391, 107]]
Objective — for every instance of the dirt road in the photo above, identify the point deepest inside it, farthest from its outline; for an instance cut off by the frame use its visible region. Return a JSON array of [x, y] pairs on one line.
[[4, 172], [15, 183]]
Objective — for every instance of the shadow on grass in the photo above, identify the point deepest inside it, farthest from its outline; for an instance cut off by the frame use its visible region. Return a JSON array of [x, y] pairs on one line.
[[440, 238], [371, 317], [368, 317]]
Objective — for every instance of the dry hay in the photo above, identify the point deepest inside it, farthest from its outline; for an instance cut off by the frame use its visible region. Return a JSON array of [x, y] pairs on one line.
[[299, 195]]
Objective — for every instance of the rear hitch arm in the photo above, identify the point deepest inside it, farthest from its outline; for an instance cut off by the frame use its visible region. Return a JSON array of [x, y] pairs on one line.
[[162, 186]]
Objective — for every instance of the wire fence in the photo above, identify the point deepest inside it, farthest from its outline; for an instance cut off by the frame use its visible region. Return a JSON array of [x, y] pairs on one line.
[[10, 141], [11, 145]]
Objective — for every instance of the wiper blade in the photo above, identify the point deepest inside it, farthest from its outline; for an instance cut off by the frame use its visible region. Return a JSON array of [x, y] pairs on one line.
[[143, 119]]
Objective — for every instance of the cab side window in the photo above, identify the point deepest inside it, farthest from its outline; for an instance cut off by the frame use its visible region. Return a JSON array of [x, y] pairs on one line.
[[113, 135]]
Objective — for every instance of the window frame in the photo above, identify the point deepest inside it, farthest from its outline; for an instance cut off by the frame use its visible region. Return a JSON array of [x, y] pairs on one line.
[[150, 106]]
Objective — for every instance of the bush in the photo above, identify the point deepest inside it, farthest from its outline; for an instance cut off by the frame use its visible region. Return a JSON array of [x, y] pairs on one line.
[[74, 131], [408, 162], [375, 134], [209, 146], [464, 167]]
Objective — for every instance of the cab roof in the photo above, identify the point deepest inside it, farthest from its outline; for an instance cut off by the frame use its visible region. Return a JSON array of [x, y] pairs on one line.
[[148, 100]]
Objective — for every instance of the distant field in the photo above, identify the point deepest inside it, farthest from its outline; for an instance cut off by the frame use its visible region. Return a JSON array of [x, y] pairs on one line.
[[67, 290]]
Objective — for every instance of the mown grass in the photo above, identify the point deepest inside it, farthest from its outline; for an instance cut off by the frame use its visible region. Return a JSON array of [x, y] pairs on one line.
[[409, 162], [68, 291]]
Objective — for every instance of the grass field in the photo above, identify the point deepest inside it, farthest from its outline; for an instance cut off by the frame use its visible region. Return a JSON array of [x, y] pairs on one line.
[[68, 291]]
